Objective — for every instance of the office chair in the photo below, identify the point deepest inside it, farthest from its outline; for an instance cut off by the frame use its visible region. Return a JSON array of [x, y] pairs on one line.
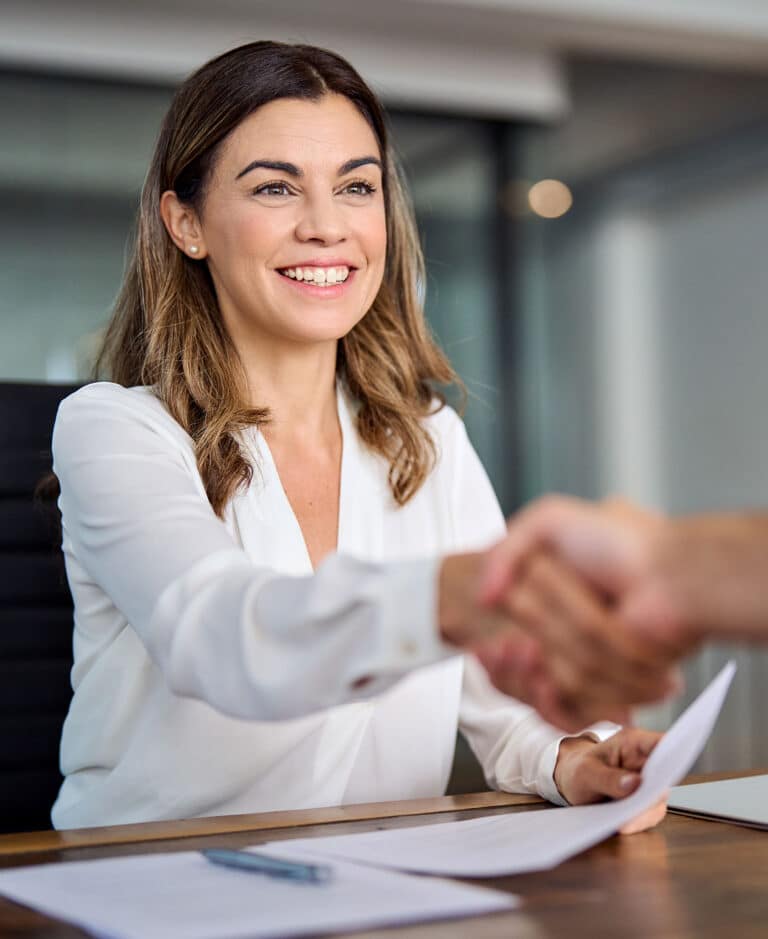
[[35, 611]]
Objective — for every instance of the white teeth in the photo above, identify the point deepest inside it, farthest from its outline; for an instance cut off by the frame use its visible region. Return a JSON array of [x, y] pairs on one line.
[[321, 276]]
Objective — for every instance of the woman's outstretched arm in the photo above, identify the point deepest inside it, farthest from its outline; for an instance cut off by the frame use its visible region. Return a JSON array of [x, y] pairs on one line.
[[248, 641]]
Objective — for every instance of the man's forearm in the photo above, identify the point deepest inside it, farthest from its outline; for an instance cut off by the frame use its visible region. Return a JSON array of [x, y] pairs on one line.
[[715, 569]]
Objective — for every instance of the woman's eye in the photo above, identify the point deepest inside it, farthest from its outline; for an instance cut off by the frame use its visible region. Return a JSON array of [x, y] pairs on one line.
[[359, 188], [272, 189]]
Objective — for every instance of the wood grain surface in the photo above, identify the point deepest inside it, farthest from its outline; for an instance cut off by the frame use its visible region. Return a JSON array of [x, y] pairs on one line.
[[687, 878]]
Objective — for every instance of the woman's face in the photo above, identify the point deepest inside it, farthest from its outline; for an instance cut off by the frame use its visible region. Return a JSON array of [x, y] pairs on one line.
[[293, 224]]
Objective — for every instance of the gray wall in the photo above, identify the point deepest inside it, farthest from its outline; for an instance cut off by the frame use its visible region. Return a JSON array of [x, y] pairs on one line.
[[648, 318], [713, 349]]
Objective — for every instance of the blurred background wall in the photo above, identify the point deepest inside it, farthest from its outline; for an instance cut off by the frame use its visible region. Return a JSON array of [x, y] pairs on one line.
[[591, 181]]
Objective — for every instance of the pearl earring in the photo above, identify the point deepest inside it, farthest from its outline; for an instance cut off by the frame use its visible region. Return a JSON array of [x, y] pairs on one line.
[[193, 249]]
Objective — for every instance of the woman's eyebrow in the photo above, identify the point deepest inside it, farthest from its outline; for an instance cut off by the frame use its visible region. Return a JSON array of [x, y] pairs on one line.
[[360, 161], [290, 168]]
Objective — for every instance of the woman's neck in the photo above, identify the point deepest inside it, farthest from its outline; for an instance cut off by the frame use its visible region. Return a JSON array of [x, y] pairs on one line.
[[299, 388]]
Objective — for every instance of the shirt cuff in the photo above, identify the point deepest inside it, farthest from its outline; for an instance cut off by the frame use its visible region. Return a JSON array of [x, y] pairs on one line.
[[406, 634], [409, 615], [545, 780]]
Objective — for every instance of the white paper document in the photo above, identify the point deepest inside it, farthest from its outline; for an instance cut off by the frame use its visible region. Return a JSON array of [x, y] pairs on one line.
[[518, 842], [183, 896]]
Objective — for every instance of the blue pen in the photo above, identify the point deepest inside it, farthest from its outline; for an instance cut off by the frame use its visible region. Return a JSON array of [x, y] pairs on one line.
[[270, 866]]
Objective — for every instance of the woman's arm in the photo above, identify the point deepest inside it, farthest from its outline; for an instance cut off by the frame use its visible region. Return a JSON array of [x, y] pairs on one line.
[[249, 642]]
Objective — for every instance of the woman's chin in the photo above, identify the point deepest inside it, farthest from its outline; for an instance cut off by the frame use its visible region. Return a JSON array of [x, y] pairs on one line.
[[323, 328]]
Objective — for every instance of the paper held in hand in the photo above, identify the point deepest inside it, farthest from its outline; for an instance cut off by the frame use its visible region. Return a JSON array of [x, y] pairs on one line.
[[519, 842]]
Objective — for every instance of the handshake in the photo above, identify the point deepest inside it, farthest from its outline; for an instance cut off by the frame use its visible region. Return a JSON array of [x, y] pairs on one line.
[[584, 610]]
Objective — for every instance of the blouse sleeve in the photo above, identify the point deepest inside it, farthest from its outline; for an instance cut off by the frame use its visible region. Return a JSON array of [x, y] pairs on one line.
[[250, 642], [515, 747]]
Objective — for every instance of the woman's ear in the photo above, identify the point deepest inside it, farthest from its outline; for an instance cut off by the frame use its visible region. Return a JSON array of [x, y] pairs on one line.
[[183, 225]]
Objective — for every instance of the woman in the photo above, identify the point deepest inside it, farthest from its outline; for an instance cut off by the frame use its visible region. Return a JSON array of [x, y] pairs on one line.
[[263, 515]]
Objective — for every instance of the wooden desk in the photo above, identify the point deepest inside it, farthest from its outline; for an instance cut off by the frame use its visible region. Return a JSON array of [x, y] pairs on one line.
[[688, 878]]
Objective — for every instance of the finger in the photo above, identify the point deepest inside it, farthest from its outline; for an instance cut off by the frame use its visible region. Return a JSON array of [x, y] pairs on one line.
[[636, 746], [628, 749], [580, 673], [648, 819], [575, 672], [532, 527], [596, 644], [564, 616], [519, 650], [566, 715], [509, 652], [525, 679], [568, 594], [570, 714], [563, 627], [603, 699], [594, 710], [573, 692], [606, 782], [585, 688]]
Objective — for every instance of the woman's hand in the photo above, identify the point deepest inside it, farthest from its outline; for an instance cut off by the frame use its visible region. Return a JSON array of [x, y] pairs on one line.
[[592, 772]]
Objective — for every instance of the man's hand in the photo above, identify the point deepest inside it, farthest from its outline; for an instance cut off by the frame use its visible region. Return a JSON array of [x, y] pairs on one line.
[[585, 664], [652, 589], [643, 624], [609, 544], [632, 556], [552, 641]]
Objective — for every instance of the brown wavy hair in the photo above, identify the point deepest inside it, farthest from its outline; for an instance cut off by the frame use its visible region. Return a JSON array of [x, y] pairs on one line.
[[166, 330]]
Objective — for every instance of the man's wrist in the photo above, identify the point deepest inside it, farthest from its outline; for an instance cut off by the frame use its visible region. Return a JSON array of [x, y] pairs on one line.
[[713, 569]]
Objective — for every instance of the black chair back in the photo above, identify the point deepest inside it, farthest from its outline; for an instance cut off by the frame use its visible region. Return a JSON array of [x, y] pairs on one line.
[[35, 611]]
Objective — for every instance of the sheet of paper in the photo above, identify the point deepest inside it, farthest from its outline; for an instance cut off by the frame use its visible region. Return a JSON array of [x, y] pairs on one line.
[[183, 896], [533, 840], [743, 801]]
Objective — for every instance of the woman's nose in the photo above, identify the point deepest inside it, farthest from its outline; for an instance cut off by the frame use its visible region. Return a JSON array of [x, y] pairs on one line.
[[321, 220]]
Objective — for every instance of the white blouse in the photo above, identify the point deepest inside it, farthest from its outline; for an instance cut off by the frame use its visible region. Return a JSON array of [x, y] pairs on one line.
[[215, 672]]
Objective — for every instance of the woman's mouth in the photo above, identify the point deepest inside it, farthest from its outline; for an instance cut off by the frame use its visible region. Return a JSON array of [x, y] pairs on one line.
[[317, 276]]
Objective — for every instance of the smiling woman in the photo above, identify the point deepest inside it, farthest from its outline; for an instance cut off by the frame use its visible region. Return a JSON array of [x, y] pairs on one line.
[[273, 527], [275, 218]]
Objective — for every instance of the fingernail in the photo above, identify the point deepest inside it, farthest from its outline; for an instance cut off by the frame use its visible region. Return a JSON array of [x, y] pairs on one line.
[[627, 781]]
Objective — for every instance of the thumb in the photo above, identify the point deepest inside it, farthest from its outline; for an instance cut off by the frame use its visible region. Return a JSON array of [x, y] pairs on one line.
[[612, 782], [539, 524]]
